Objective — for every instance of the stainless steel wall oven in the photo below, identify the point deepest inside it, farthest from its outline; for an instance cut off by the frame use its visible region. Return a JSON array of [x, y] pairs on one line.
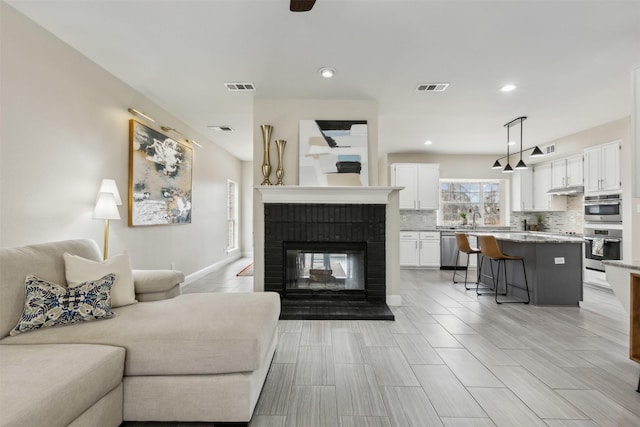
[[604, 208], [601, 244]]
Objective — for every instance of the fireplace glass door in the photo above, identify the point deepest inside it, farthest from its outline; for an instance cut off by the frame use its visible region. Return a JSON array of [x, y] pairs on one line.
[[330, 267]]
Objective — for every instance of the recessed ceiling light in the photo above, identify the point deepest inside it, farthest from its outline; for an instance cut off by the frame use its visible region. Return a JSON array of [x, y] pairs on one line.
[[327, 72], [428, 142], [508, 88]]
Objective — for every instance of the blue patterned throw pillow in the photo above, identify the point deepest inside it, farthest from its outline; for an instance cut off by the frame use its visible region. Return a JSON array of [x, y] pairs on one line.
[[47, 304]]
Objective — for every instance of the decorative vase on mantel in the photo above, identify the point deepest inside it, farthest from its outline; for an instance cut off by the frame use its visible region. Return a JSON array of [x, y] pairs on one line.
[[266, 141], [280, 144]]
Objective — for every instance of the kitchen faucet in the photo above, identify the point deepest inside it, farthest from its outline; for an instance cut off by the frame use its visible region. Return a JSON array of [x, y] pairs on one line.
[[473, 219]]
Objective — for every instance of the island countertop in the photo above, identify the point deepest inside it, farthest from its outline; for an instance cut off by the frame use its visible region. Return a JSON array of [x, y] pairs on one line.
[[529, 237]]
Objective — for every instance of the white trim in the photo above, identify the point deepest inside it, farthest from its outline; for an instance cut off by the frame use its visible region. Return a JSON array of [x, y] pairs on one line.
[[394, 300], [210, 269], [334, 195]]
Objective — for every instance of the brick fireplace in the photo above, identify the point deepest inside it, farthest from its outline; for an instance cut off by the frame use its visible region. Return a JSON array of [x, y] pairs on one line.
[[326, 260]]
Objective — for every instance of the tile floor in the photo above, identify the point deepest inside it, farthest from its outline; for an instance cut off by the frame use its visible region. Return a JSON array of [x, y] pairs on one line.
[[450, 359]]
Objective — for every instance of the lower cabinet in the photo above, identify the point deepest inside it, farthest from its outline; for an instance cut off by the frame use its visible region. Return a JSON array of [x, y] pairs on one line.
[[420, 249]]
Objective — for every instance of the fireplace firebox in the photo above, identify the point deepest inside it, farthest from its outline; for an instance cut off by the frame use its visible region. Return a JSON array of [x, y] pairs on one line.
[[327, 260], [326, 269]]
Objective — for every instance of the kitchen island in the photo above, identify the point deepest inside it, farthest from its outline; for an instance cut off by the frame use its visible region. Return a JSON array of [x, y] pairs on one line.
[[553, 264]]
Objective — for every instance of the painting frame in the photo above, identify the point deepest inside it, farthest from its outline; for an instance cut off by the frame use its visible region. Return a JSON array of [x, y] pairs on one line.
[[160, 178], [333, 153]]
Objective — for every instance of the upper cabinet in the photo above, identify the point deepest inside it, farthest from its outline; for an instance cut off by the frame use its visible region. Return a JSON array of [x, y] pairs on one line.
[[421, 182], [542, 182], [522, 190], [602, 168], [567, 172]]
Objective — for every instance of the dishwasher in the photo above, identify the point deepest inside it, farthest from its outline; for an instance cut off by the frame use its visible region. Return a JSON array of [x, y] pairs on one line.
[[449, 251]]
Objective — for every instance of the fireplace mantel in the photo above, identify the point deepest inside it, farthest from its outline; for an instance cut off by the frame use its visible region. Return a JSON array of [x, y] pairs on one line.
[[341, 195]]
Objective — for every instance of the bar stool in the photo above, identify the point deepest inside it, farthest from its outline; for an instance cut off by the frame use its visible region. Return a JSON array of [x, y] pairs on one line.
[[463, 246], [490, 249]]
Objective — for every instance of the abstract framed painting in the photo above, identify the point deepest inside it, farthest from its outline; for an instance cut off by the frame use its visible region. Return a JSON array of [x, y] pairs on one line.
[[160, 178], [334, 153]]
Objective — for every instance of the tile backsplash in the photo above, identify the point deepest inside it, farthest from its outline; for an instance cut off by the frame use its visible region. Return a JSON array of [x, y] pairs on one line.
[[418, 220], [571, 220]]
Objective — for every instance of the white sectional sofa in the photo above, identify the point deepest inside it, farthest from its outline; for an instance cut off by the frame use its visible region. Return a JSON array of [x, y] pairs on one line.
[[197, 357]]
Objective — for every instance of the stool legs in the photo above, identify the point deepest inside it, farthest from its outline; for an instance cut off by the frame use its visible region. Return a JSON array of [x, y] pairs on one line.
[[455, 267], [466, 272], [506, 284], [502, 263]]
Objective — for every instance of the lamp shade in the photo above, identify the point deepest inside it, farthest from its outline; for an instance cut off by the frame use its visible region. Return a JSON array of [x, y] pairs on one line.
[[496, 165], [507, 169], [521, 165], [106, 207], [109, 186], [536, 152]]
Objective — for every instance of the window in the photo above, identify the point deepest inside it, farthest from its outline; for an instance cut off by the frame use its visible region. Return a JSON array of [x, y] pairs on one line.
[[483, 197], [232, 215]]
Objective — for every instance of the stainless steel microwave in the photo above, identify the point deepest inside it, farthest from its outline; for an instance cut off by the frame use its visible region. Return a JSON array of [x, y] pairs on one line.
[[604, 208]]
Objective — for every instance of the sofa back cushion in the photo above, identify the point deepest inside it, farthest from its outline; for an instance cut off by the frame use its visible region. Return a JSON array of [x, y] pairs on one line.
[[44, 260]]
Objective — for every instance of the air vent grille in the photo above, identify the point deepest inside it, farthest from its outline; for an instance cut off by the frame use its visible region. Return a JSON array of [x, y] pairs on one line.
[[549, 149], [432, 87], [221, 128], [237, 87]]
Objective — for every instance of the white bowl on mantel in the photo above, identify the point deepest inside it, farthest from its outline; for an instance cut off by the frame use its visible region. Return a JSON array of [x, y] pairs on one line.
[[619, 277]]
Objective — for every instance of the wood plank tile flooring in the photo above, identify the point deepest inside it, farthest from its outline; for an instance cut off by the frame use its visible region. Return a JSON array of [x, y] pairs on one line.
[[451, 358]]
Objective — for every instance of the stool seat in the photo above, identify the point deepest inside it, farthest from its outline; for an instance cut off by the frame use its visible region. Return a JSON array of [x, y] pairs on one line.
[[490, 249], [462, 241]]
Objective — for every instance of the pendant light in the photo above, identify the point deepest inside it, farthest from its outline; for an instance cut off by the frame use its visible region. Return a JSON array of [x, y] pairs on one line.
[[508, 168], [521, 164], [537, 152]]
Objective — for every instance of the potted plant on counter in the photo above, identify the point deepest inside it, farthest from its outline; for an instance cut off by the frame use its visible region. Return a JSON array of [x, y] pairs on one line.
[[463, 215], [539, 223]]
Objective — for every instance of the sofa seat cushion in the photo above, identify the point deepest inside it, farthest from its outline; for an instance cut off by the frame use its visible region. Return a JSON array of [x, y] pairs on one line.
[[191, 334], [54, 384]]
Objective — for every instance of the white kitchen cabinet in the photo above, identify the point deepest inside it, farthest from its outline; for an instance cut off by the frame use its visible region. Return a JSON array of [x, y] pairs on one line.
[[421, 182], [429, 247], [602, 168], [575, 170], [419, 249], [409, 248], [541, 184], [522, 190], [567, 172]]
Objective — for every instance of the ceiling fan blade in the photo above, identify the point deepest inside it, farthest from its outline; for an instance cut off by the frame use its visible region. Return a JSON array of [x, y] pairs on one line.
[[301, 5]]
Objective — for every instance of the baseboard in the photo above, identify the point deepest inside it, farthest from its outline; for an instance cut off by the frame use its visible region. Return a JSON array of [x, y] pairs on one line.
[[598, 287], [210, 269]]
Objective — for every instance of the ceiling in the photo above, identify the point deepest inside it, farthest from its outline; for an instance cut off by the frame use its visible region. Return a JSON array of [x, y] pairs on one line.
[[570, 60]]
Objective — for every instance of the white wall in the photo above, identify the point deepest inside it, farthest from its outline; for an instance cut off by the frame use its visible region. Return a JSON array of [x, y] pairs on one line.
[[246, 217], [452, 166], [65, 128]]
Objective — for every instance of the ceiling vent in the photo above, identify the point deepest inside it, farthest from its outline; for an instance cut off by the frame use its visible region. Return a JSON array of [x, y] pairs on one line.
[[432, 87], [240, 87], [221, 128], [549, 149]]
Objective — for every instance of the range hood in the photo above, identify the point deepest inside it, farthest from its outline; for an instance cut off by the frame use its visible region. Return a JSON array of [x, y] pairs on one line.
[[566, 191]]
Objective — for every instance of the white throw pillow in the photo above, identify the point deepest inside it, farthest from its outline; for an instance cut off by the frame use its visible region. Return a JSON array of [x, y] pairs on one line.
[[79, 270]]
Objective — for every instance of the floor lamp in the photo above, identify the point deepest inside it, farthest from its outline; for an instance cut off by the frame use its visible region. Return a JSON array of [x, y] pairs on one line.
[[107, 208]]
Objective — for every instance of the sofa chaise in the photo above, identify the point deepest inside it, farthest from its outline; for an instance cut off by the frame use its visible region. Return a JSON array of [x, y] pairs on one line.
[[196, 357]]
